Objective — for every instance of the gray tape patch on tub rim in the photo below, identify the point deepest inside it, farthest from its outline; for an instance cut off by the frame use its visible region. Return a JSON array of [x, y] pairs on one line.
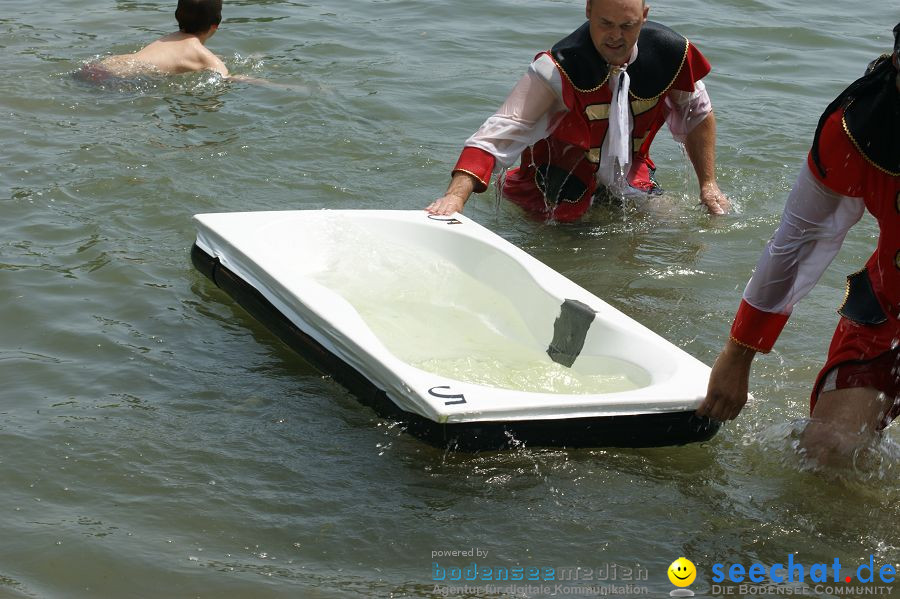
[[569, 332]]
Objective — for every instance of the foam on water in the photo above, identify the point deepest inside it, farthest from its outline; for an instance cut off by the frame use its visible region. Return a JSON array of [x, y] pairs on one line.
[[435, 316]]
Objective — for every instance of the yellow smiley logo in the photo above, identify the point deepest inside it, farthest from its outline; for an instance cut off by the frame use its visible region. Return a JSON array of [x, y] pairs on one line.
[[682, 572]]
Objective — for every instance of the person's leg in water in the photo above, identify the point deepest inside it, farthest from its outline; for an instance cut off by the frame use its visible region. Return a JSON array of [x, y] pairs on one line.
[[844, 421]]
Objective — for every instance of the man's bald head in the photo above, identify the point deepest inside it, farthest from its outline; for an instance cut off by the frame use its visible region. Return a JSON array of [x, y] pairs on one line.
[[615, 26], [643, 2]]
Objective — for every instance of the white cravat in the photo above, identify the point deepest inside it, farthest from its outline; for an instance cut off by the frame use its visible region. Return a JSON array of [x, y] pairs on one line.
[[615, 155]]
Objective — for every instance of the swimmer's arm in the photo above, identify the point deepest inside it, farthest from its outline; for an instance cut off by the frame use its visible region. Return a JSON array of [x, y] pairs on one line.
[[211, 62], [302, 89], [214, 63], [248, 79], [219, 67]]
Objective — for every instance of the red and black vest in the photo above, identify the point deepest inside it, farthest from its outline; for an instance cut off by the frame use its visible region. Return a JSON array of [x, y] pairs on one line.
[[561, 169], [857, 153]]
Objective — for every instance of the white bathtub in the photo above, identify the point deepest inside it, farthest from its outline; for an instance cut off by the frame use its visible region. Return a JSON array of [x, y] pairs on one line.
[[455, 327]]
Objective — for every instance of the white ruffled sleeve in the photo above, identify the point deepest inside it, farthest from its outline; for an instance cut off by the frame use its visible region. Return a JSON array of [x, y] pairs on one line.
[[813, 226], [530, 113], [686, 110]]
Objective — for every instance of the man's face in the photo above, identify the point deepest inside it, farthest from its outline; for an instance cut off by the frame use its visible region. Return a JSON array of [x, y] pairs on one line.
[[615, 26]]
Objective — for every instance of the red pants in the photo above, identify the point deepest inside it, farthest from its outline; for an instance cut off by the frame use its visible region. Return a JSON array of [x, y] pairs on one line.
[[854, 362]]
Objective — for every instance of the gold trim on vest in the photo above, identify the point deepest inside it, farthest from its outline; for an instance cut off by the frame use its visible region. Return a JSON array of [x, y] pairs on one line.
[[687, 45], [642, 106], [597, 112], [569, 79], [638, 143], [593, 155], [859, 148]]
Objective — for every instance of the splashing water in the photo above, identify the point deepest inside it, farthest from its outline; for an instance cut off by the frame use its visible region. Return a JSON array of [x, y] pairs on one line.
[[875, 461]]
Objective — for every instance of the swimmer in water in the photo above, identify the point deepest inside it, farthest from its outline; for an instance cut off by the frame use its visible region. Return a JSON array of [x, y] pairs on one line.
[[183, 51]]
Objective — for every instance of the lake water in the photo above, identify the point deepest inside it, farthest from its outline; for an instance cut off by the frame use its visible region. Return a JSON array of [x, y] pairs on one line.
[[156, 441]]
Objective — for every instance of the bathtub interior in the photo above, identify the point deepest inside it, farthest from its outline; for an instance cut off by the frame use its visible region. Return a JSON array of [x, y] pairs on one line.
[[453, 304]]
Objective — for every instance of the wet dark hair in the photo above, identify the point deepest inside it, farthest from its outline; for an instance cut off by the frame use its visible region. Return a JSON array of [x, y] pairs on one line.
[[197, 16]]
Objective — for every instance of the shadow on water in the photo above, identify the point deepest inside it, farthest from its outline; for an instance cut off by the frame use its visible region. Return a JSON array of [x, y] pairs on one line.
[[213, 304]]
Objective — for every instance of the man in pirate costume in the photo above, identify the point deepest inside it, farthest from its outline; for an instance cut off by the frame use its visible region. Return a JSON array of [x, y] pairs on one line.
[[584, 115], [854, 165]]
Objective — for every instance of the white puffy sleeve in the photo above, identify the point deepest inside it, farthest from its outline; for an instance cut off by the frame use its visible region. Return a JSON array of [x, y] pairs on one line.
[[813, 226], [530, 113], [686, 110]]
